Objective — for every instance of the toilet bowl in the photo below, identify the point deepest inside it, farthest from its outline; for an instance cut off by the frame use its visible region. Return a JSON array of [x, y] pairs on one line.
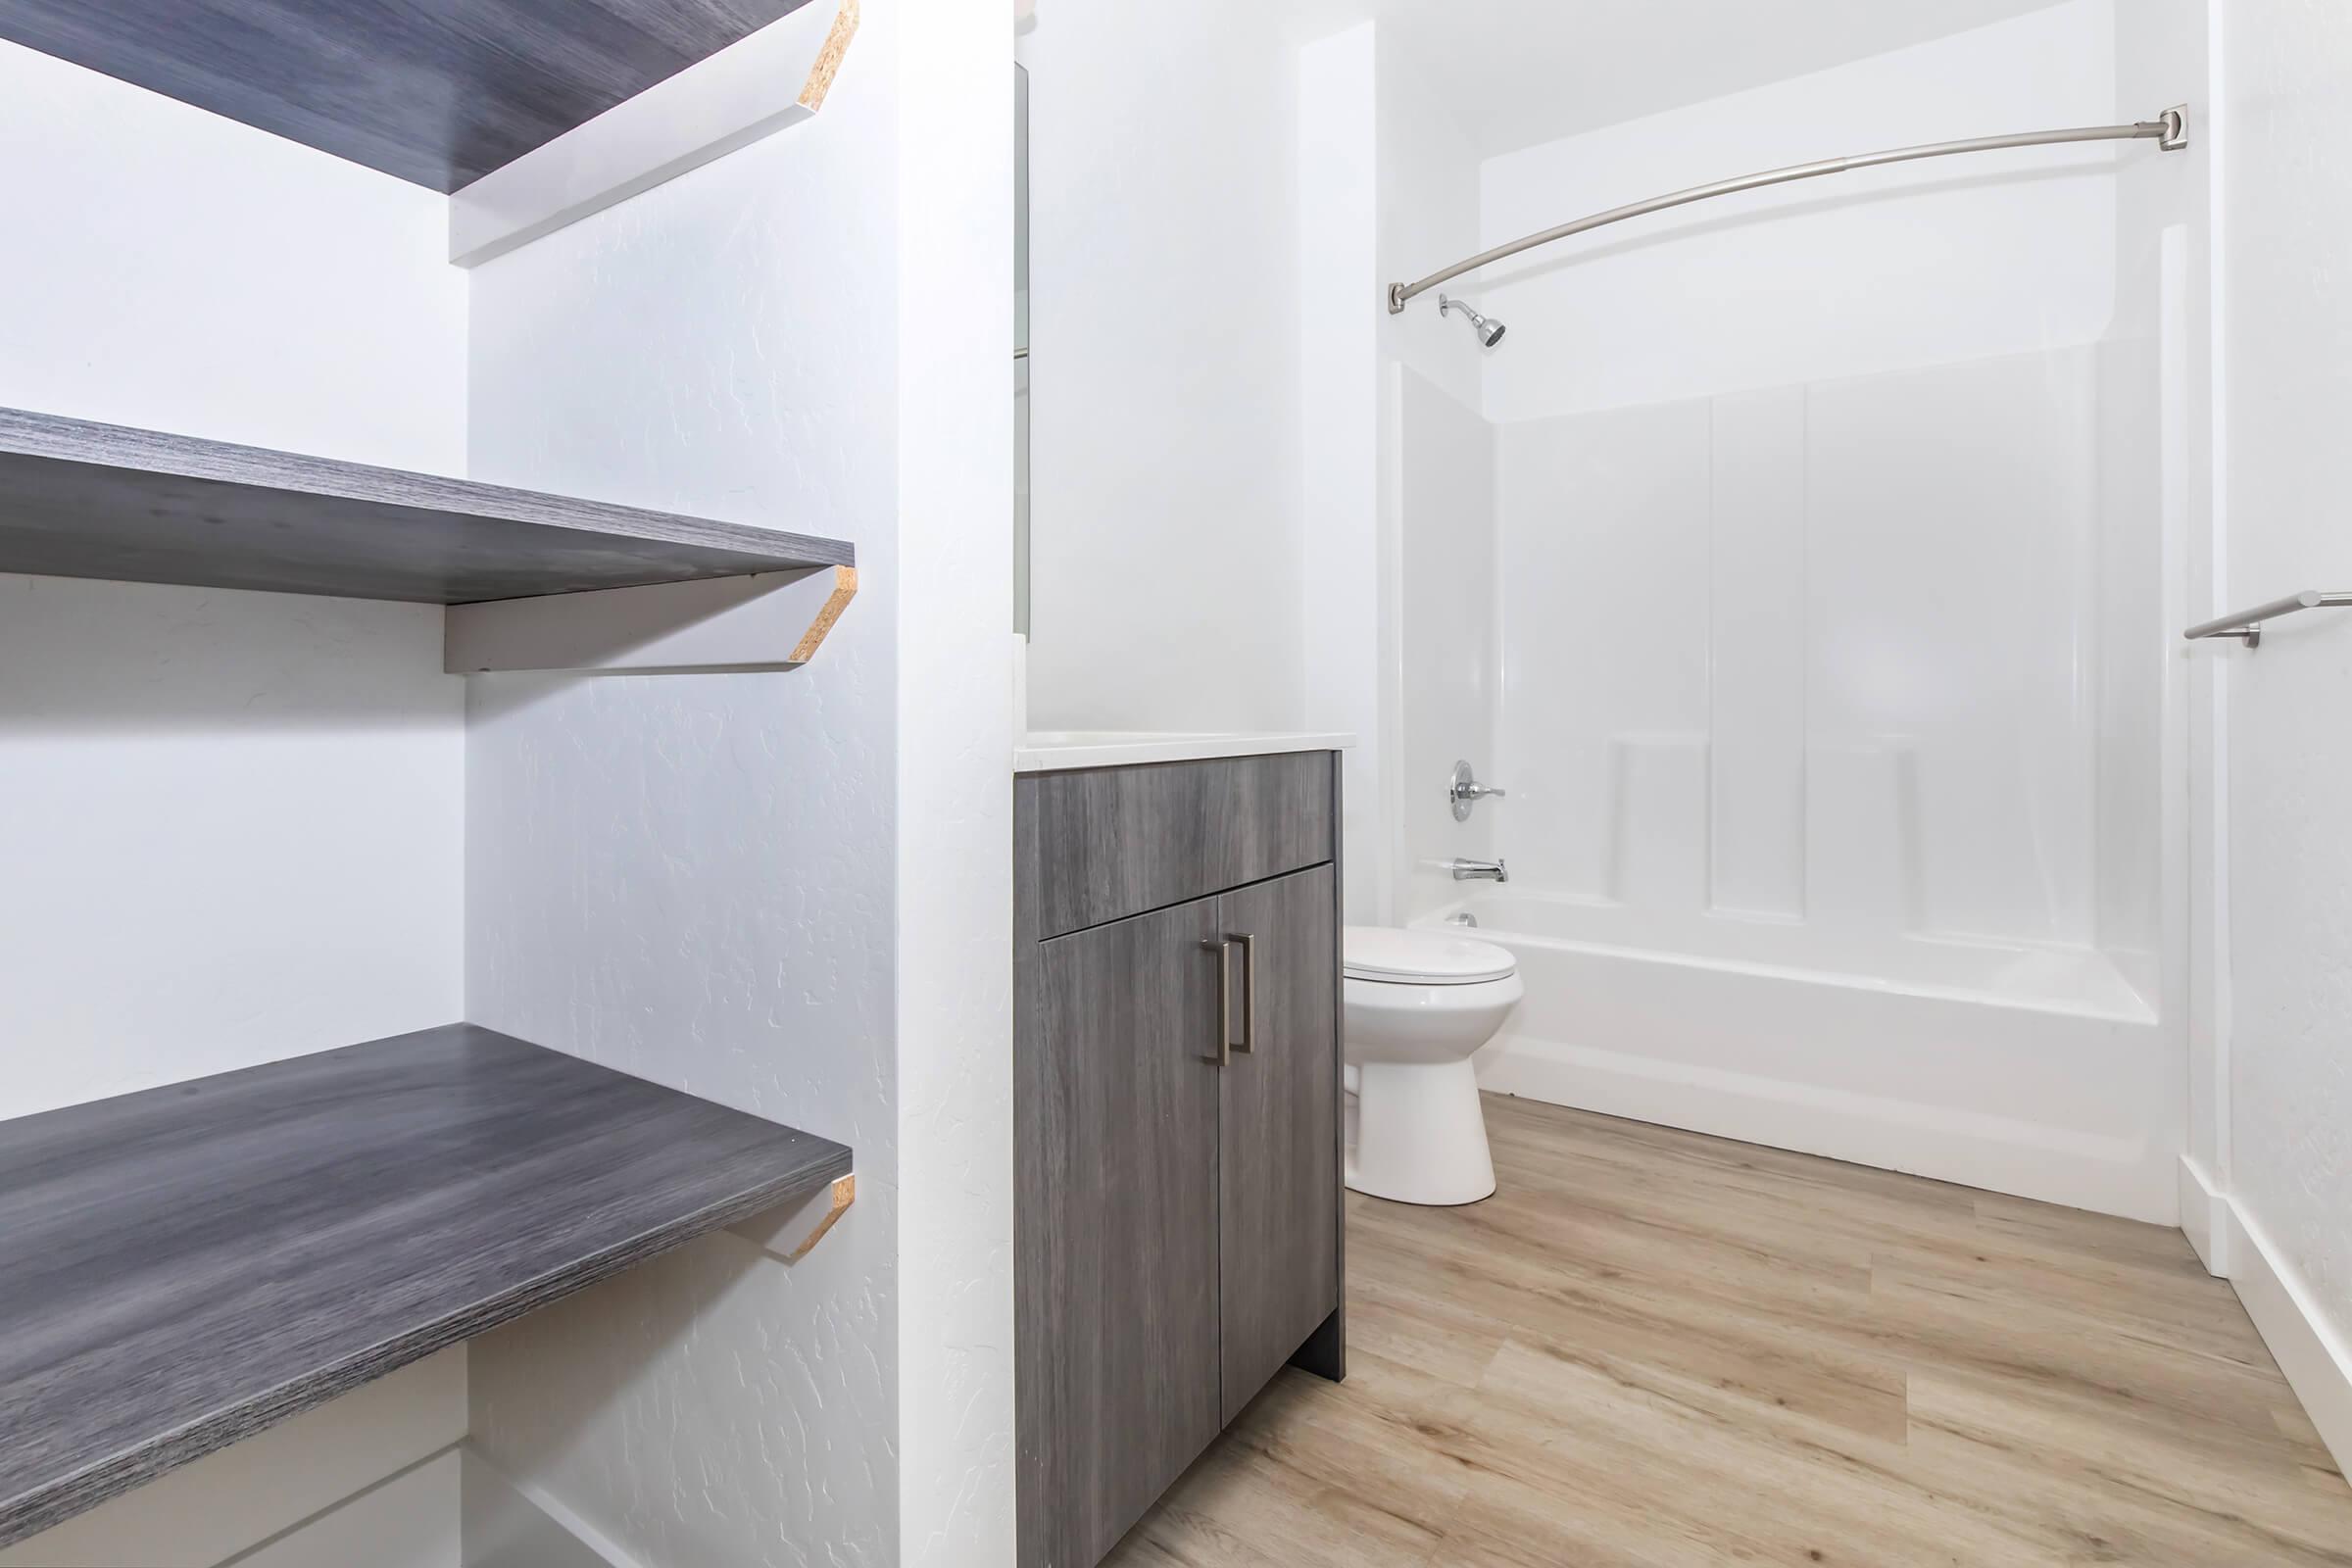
[[1416, 1006]]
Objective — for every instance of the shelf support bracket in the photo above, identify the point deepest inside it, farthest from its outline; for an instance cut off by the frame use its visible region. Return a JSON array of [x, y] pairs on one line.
[[766, 620], [791, 1233]]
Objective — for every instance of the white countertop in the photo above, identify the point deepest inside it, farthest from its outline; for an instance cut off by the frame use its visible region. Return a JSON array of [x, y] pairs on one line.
[[1051, 750]]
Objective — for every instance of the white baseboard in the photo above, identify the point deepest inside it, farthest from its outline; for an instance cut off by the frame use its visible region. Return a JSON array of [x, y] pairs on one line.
[[2205, 1217], [511, 1524], [2314, 1358], [2129, 1177], [406, 1521]]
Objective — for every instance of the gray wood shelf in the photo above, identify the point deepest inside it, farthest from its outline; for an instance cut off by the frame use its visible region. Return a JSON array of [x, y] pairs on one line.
[[182, 1268], [435, 94], [79, 499]]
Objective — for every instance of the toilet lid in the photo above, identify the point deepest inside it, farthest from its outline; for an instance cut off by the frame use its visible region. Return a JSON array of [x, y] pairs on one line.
[[1421, 958]]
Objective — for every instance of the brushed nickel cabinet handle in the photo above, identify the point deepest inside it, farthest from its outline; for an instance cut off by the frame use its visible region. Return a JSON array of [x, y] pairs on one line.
[[1223, 949], [1248, 941]]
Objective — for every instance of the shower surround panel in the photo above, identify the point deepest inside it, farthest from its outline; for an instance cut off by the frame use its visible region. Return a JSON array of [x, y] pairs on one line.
[[1814, 654], [1827, 713]]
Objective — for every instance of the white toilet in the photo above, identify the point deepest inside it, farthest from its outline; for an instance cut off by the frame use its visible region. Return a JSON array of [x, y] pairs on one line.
[[1417, 1005]]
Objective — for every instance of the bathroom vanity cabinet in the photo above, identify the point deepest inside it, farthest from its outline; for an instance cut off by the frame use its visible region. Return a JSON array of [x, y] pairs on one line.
[[1177, 1184]]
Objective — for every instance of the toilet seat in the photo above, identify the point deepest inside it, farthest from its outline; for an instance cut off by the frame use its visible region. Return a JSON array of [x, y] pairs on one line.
[[1384, 956]]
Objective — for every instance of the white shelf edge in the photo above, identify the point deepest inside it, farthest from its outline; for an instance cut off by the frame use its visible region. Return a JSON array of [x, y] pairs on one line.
[[766, 620], [771, 79], [791, 1233]]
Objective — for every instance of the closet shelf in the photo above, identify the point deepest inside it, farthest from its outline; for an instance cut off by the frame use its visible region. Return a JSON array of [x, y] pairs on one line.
[[437, 94], [79, 499], [184, 1266]]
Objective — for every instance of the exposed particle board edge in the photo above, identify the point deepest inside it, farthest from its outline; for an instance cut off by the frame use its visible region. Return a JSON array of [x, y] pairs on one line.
[[837, 600], [829, 58]]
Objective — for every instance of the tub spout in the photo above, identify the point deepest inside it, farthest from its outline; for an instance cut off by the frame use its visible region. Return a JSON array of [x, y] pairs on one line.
[[1479, 871]]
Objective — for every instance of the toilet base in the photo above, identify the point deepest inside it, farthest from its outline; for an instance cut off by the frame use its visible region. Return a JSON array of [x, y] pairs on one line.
[[1417, 1134]]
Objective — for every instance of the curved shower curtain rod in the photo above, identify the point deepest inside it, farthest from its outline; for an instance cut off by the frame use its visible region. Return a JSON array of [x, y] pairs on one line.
[[2169, 132]]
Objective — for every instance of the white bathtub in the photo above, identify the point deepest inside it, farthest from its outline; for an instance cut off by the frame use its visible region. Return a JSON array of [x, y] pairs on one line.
[[2038, 1071]]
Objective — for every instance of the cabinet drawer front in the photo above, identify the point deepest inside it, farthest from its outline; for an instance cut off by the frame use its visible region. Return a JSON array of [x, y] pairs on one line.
[[1120, 840]]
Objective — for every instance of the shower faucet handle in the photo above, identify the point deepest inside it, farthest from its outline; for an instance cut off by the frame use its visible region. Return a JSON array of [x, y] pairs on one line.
[[1463, 791]]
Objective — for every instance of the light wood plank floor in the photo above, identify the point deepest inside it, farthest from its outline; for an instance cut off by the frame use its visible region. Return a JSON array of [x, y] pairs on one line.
[[1653, 1348]]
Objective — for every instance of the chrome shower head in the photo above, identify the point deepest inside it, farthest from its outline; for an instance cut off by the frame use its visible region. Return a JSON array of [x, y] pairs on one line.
[[1489, 330]]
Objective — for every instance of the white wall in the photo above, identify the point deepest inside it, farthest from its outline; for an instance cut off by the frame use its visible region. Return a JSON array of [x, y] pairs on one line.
[[688, 877], [233, 825], [953, 887], [2001, 254], [197, 275], [2285, 191], [789, 893], [1341, 616], [186, 767], [1448, 626], [1429, 218], [1165, 537], [233, 822]]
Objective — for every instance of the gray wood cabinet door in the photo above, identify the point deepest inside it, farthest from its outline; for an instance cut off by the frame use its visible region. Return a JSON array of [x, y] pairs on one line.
[[1116, 1238], [1279, 1188]]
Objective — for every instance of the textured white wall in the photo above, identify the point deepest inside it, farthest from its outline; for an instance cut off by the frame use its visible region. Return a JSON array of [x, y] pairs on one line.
[[691, 877], [2285, 192], [954, 846], [1165, 535], [1878, 270]]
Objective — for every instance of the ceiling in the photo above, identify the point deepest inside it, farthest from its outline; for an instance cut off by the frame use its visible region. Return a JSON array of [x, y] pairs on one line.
[[1518, 72]]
